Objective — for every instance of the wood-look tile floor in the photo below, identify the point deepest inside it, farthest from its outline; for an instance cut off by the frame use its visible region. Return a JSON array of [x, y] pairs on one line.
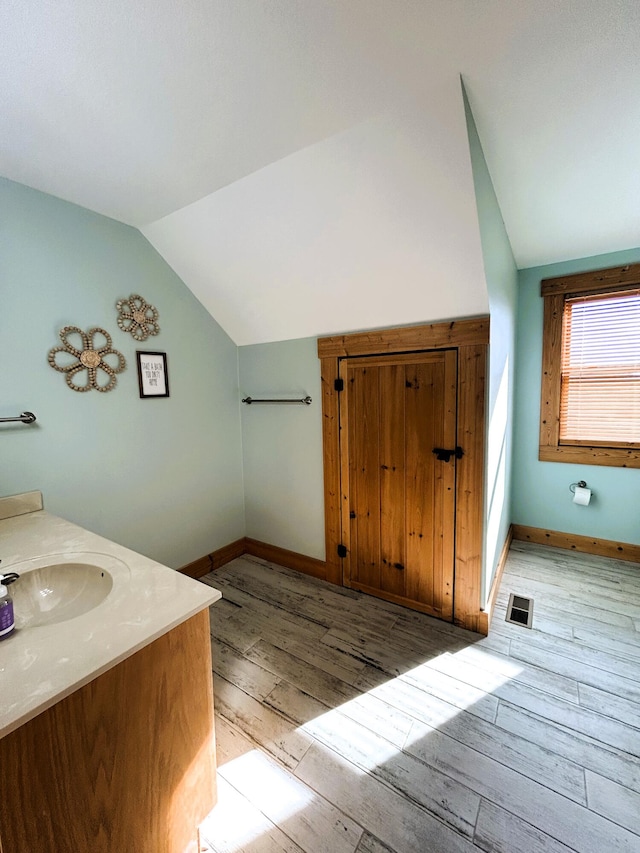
[[345, 723]]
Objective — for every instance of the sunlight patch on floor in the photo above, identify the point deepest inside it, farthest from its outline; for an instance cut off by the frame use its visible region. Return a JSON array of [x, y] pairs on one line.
[[374, 726], [257, 796], [463, 668], [234, 822]]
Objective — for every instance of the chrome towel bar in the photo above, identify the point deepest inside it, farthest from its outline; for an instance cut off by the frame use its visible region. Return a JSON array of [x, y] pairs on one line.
[[249, 400], [25, 418]]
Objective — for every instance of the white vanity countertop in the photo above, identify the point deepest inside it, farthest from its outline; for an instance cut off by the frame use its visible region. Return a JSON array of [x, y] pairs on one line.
[[40, 665]]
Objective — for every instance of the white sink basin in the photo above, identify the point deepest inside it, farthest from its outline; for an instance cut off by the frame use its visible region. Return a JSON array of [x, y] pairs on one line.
[[60, 587], [59, 592]]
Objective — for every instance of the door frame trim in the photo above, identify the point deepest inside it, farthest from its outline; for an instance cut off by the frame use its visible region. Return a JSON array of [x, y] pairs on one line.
[[471, 339]]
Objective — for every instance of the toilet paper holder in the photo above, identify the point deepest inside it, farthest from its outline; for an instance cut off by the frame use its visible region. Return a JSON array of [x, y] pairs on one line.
[[581, 493]]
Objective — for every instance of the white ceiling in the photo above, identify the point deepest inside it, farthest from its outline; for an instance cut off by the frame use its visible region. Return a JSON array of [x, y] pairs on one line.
[[288, 155], [375, 226]]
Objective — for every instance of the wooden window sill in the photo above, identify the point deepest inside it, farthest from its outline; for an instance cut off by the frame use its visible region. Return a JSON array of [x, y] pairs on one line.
[[614, 457]]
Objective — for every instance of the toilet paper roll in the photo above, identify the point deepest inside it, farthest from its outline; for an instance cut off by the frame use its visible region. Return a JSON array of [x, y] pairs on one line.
[[582, 496]]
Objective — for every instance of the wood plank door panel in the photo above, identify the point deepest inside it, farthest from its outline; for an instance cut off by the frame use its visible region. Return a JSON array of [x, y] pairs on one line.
[[391, 457], [398, 499], [364, 474]]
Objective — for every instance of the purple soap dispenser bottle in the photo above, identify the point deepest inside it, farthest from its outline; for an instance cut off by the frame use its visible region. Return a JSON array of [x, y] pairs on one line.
[[7, 620]]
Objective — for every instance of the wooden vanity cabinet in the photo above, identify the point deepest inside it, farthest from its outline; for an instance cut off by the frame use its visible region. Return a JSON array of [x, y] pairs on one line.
[[126, 764]]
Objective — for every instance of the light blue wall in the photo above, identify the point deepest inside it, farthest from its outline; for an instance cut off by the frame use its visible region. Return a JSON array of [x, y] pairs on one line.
[[282, 446], [502, 284], [541, 489], [162, 476]]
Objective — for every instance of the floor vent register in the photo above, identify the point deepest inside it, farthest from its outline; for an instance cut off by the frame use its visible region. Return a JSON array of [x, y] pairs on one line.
[[520, 610]]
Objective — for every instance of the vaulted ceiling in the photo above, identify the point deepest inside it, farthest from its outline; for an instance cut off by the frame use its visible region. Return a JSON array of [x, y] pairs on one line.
[[303, 164]]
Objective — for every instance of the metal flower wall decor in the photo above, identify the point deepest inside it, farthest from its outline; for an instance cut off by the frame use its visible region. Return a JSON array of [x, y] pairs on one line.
[[137, 317], [89, 355]]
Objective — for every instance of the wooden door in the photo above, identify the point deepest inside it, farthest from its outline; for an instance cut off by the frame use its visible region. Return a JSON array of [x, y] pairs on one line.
[[398, 499]]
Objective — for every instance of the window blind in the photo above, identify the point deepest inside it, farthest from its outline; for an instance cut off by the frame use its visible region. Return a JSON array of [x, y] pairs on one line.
[[600, 381]]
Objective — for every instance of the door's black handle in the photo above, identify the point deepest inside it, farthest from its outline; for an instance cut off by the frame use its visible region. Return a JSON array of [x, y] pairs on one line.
[[444, 455]]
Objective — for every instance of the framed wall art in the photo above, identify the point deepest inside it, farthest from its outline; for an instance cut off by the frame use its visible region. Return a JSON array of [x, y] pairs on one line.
[[153, 378]]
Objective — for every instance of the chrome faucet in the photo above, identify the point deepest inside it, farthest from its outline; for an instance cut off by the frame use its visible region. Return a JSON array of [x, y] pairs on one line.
[[5, 580]]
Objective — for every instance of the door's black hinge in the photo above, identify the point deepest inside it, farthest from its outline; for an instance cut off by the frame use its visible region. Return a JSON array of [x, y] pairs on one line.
[[342, 551], [339, 384], [444, 455]]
